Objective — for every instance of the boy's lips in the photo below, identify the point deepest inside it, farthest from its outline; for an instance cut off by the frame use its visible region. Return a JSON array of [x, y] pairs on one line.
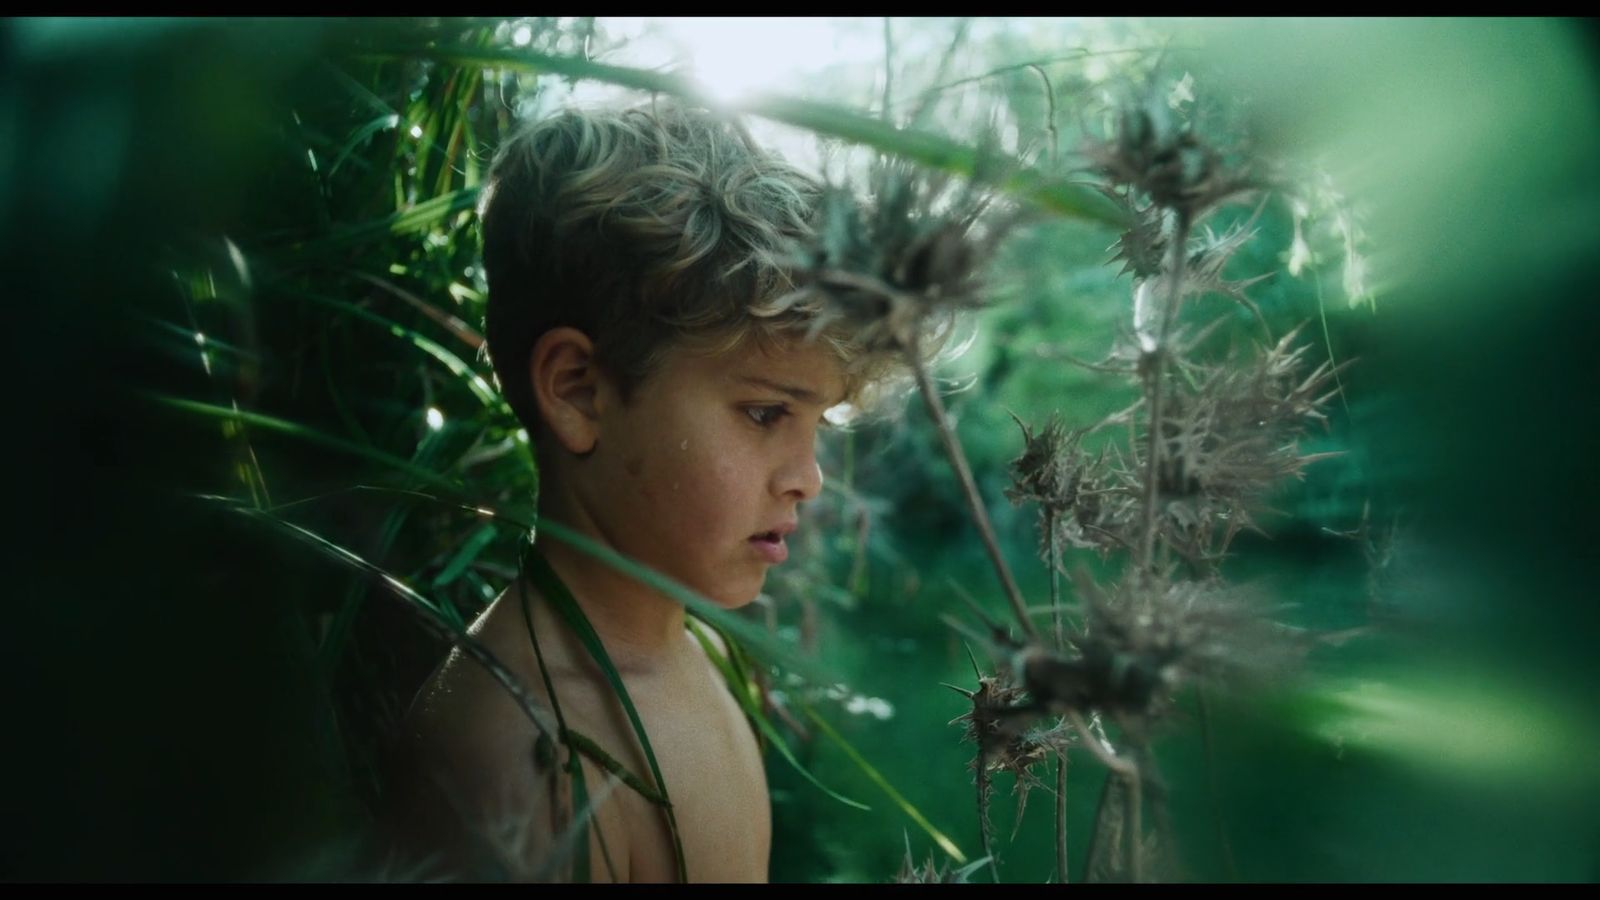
[[770, 543]]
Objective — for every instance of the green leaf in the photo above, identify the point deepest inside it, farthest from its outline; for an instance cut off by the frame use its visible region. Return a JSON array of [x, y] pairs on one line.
[[748, 633], [307, 433], [470, 548], [752, 709], [458, 367], [418, 218], [429, 612], [361, 134], [551, 588], [945, 844], [922, 147]]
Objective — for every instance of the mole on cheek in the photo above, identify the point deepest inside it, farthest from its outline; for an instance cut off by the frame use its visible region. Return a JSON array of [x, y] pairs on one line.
[[635, 466]]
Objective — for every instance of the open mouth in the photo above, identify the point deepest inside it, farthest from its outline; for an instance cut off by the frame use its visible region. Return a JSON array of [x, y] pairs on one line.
[[771, 546]]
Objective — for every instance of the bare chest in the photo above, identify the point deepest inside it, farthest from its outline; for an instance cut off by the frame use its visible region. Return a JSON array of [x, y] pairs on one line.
[[715, 780]]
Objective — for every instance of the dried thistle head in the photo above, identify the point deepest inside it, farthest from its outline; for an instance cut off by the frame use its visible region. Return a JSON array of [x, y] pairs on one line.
[[1147, 637], [1002, 722], [927, 873], [1228, 435], [1044, 473], [1076, 502], [1036, 745], [1142, 248], [932, 873], [990, 723], [896, 266], [1153, 151]]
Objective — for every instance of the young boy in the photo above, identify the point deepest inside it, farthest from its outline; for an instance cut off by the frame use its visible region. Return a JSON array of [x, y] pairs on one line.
[[644, 329]]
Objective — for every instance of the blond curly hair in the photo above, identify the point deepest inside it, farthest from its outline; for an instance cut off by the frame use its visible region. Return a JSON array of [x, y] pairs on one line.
[[648, 228]]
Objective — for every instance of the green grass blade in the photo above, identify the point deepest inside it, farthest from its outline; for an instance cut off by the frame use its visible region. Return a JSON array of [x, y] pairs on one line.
[[344, 620], [945, 844], [573, 840], [295, 429], [574, 767], [428, 612], [417, 218], [383, 122], [748, 633], [760, 721], [458, 367], [928, 149], [470, 548], [550, 586]]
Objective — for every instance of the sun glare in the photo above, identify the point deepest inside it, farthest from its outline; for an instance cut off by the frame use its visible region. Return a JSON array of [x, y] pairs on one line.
[[734, 58]]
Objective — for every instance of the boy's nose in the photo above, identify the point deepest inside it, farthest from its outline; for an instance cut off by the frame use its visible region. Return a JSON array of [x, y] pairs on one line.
[[802, 478]]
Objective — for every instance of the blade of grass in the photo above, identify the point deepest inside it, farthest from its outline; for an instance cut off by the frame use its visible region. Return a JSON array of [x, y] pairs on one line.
[[748, 633], [304, 432], [416, 219], [580, 790], [430, 616], [470, 548], [753, 711], [463, 332], [458, 367], [556, 593], [441, 625], [332, 648], [573, 839], [945, 844], [365, 132], [922, 147]]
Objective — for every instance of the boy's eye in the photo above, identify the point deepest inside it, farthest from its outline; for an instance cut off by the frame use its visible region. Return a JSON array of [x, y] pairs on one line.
[[766, 416]]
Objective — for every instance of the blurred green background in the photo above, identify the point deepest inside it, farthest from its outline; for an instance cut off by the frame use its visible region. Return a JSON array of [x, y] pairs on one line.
[[275, 217]]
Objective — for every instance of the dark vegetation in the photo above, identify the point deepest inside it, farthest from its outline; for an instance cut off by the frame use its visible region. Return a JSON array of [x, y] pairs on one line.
[[253, 445]]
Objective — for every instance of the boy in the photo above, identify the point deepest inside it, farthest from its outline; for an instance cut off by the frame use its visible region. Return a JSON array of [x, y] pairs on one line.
[[644, 329]]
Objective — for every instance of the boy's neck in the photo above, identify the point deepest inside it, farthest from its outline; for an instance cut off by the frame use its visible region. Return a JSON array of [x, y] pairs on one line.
[[642, 629]]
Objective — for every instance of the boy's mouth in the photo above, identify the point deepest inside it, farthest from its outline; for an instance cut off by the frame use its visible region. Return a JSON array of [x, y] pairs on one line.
[[770, 544]]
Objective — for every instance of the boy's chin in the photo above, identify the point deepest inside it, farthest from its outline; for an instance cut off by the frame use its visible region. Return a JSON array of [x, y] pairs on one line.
[[734, 601], [733, 597]]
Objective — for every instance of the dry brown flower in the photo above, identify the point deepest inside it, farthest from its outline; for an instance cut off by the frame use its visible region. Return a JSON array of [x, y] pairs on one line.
[[898, 264]]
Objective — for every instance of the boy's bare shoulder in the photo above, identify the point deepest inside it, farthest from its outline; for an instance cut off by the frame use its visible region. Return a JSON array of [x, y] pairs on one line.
[[471, 770], [463, 705]]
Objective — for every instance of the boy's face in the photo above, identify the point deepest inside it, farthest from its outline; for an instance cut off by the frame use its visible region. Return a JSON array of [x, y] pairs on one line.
[[708, 459]]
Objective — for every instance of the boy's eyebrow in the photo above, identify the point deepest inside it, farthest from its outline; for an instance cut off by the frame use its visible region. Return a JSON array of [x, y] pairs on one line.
[[804, 395]]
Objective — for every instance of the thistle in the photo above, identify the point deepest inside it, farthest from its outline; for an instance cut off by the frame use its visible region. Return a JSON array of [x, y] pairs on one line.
[[1206, 443], [1154, 154], [903, 261], [897, 268]]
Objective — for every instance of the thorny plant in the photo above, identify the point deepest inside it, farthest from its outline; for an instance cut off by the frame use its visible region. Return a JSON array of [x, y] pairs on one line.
[[1206, 441]]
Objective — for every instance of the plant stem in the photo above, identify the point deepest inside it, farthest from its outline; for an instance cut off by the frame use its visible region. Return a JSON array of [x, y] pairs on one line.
[[1101, 810], [983, 815], [958, 461], [1054, 563], [1061, 757], [888, 70], [1061, 818], [1155, 381], [1216, 795], [1134, 839]]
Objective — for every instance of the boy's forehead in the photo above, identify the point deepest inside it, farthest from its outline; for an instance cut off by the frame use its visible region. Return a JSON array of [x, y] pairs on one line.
[[807, 370]]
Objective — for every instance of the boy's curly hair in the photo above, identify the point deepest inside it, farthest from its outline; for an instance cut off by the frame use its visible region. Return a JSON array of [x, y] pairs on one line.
[[647, 228]]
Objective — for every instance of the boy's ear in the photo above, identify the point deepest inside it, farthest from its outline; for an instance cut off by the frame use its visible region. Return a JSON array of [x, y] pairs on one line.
[[566, 384]]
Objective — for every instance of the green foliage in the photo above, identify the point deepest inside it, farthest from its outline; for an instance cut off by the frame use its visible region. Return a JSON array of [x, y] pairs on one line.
[[245, 268]]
